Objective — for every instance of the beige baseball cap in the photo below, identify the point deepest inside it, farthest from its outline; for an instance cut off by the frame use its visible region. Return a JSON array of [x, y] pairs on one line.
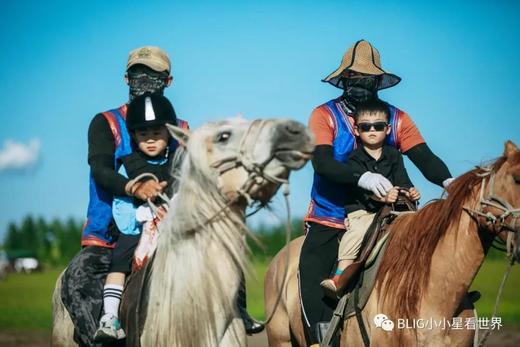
[[151, 56]]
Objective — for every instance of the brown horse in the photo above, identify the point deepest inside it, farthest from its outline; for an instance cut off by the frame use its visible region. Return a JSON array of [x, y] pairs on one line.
[[430, 262]]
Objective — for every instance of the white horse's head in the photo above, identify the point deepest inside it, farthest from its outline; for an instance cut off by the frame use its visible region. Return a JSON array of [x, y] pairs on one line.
[[224, 166], [251, 158]]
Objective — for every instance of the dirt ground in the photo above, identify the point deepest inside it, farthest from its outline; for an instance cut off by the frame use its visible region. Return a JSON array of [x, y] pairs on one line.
[[503, 338]]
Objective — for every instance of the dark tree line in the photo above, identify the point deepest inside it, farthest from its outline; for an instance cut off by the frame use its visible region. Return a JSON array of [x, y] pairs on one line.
[[268, 240], [53, 242]]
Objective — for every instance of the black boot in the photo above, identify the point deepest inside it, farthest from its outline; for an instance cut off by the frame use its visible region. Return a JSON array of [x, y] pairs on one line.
[[252, 326], [474, 296]]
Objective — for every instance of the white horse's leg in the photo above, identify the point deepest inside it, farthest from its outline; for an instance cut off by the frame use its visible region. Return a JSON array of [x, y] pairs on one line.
[[62, 326]]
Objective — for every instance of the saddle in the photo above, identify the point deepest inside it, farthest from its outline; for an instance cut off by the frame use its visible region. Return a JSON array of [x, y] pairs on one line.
[[376, 231], [359, 278]]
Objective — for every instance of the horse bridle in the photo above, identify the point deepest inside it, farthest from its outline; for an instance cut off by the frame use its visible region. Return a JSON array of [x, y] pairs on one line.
[[256, 170], [256, 174], [495, 224], [490, 221]]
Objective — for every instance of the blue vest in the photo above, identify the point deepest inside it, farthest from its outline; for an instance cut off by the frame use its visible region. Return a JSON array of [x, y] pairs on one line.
[[328, 198], [99, 212]]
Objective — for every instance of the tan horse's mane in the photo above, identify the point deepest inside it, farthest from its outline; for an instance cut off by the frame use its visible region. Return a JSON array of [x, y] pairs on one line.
[[405, 268]]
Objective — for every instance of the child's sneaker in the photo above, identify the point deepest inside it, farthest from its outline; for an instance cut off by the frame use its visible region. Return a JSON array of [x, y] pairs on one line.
[[109, 329]]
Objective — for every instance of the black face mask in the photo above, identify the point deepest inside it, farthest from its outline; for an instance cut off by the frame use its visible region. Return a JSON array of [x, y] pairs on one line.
[[359, 90], [141, 83]]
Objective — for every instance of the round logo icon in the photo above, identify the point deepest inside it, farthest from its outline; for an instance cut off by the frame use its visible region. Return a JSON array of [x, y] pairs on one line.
[[387, 325], [379, 319]]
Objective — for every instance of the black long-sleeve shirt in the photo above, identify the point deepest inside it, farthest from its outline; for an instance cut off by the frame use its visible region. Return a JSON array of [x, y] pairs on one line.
[[101, 158], [431, 166], [390, 165]]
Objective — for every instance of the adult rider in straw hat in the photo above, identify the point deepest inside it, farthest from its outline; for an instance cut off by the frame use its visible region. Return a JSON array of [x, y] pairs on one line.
[[360, 76]]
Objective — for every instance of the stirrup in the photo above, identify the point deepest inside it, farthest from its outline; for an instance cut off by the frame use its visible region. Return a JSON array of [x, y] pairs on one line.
[[321, 330]]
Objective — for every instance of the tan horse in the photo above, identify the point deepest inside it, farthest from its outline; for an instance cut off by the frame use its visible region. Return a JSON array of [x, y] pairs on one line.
[[189, 299], [430, 262]]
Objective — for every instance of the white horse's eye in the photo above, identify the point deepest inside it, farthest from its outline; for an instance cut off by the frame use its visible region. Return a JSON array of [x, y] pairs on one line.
[[223, 136]]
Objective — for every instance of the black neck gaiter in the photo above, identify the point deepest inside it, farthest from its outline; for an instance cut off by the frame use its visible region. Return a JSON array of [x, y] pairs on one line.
[[358, 90], [142, 83]]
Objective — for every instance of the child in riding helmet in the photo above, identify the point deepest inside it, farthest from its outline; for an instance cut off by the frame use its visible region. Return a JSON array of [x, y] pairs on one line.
[[372, 154], [146, 121]]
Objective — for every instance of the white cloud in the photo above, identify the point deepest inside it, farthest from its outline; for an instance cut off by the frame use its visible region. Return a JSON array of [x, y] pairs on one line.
[[18, 156]]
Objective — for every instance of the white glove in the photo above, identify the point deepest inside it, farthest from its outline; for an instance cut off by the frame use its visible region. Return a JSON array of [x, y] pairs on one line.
[[447, 182], [376, 183], [144, 213]]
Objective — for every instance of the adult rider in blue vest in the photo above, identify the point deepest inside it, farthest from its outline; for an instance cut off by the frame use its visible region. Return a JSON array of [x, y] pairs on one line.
[[148, 70], [360, 76]]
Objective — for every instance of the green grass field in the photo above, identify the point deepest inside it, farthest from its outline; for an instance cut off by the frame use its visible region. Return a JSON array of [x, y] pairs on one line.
[[25, 300]]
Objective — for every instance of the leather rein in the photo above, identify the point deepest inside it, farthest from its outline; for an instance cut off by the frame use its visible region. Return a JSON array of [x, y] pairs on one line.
[[495, 223]]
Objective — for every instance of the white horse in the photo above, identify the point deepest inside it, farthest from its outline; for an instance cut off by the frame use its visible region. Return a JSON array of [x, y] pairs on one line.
[[189, 298]]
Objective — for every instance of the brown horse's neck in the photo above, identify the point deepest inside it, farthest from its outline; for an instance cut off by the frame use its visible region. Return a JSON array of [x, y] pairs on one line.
[[455, 263]]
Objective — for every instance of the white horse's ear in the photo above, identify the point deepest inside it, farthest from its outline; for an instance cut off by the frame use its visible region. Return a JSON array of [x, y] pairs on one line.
[[179, 134], [510, 149]]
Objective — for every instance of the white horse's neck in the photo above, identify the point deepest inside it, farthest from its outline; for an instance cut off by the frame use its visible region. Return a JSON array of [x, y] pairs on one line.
[[196, 270]]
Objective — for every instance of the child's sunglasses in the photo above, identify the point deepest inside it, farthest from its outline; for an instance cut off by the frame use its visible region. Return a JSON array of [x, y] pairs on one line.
[[378, 126]]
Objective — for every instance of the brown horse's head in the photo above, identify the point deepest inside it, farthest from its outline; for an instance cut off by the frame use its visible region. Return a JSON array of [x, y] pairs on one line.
[[506, 191], [491, 196]]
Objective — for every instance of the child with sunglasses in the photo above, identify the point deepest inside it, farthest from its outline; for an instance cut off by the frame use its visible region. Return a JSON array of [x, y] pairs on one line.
[[372, 154]]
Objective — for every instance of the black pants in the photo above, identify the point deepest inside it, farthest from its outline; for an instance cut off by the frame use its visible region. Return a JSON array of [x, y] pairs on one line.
[[317, 261], [82, 291], [124, 253]]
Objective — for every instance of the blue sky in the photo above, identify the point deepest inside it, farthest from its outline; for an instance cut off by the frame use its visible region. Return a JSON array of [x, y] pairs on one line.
[[62, 62]]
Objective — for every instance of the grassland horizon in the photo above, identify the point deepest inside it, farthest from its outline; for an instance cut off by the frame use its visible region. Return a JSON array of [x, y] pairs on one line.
[[26, 298]]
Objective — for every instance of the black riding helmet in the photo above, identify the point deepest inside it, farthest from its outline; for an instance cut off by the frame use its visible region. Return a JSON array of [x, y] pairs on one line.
[[149, 110]]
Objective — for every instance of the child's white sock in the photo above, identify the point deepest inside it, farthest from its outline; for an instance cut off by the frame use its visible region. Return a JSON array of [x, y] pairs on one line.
[[111, 298]]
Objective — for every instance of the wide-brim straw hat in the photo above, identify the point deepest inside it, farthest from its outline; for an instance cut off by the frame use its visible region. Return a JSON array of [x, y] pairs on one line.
[[364, 58]]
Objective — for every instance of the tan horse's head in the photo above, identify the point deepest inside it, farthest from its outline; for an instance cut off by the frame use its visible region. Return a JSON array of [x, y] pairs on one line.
[[247, 157], [506, 191]]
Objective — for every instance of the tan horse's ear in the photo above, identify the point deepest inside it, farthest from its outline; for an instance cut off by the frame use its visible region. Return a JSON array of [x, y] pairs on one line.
[[180, 134], [510, 149]]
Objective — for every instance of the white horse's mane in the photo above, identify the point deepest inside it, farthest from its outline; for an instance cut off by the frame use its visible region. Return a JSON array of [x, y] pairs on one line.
[[197, 265]]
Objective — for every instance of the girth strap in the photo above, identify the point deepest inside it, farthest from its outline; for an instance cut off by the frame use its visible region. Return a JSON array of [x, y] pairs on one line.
[[359, 317]]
